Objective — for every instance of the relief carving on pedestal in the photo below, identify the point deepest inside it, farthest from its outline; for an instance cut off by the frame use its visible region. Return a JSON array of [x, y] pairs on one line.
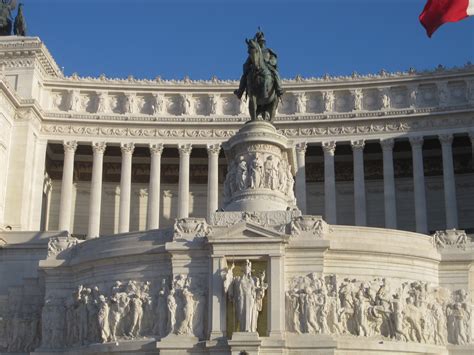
[[260, 171], [410, 311], [130, 310]]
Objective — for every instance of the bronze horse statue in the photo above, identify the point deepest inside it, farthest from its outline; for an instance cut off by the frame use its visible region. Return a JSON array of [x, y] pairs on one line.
[[263, 99]]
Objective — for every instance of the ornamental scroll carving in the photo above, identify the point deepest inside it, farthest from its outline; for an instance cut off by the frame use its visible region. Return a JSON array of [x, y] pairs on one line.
[[410, 311], [128, 310], [191, 227], [450, 239]]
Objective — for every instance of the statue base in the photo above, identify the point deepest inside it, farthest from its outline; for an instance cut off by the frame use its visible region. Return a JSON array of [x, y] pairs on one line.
[[261, 168], [178, 344], [248, 342]]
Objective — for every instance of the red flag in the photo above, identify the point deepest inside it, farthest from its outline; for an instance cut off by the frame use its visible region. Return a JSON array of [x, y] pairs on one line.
[[437, 12]]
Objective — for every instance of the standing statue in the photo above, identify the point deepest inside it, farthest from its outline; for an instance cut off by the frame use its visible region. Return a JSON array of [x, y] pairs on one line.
[[19, 27], [260, 79], [6, 22], [248, 292]]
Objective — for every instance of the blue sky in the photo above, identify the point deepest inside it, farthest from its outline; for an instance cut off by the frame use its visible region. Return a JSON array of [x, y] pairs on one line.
[[201, 38]]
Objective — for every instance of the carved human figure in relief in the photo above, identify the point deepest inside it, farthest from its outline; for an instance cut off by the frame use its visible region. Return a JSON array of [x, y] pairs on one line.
[[300, 103], [329, 99], [186, 324], [243, 105], [282, 176], [358, 99], [214, 101], [102, 103], [241, 174], [136, 314], [103, 319], [385, 100], [74, 100], [244, 290], [119, 302], [172, 305], [187, 102], [158, 104], [129, 104], [256, 172], [270, 173]]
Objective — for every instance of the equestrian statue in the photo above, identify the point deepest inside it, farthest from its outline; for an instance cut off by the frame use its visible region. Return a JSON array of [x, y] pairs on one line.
[[6, 21], [260, 79]]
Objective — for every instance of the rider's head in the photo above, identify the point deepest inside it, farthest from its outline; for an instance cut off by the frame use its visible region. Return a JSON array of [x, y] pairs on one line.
[[260, 37]]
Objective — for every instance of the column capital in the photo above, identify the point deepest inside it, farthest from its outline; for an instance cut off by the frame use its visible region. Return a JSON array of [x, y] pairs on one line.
[[358, 145], [301, 147], [185, 149], [329, 147], [387, 144], [70, 146], [213, 149], [156, 148], [99, 147], [416, 141], [446, 139], [127, 148]]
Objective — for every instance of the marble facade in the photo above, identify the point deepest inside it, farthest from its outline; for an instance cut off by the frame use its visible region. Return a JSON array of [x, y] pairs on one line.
[[147, 216]]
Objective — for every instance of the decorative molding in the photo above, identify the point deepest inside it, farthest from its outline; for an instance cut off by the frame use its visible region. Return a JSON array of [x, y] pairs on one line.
[[127, 148], [184, 149], [213, 149], [156, 148], [329, 147], [358, 144], [99, 147], [70, 146]]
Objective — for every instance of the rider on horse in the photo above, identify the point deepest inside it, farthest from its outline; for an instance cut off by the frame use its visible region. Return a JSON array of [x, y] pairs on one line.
[[270, 58]]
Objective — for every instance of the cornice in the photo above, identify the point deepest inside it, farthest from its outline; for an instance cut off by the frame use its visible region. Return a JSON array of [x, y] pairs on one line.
[[24, 48], [297, 82], [343, 130]]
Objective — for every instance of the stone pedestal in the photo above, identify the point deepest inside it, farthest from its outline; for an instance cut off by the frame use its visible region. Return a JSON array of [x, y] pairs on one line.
[[245, 342], [179, 344], [261, 169]]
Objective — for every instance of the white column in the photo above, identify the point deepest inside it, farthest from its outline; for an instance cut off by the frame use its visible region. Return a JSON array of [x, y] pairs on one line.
[[217, 300], [471, 136], [419, 184], [276, 312], [125, 186], [213, 178], [46, 206], [450, 204], [359, 183], [153, 212], [65, 203], [301, 176], [98, 149], [329, 149], [390, 203], [183, 187], [37, 183]]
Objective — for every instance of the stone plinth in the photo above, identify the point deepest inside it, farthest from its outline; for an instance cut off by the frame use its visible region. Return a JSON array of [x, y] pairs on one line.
[[247, 343], [261, 169]]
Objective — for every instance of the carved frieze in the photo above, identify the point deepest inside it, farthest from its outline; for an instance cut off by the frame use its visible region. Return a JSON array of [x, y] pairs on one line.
[[405, 311]]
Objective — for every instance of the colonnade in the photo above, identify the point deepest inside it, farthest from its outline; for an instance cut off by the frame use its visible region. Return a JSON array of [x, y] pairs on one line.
[[390, 209], [330, 208], [153, 207]]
